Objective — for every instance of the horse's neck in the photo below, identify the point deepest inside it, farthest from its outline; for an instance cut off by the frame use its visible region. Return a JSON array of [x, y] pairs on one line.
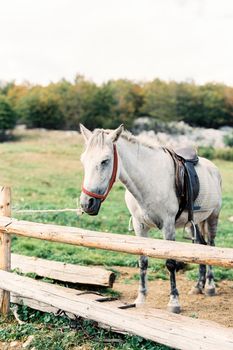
[[139, 166]]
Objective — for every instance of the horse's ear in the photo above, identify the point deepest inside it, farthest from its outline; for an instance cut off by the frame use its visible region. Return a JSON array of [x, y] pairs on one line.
[[85, 132], [114, 135]]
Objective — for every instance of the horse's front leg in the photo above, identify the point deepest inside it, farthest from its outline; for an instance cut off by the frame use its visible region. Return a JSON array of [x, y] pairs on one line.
[[172, 266], [142, 289], [141, 230]]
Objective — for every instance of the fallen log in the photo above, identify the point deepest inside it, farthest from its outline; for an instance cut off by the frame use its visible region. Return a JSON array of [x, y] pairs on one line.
[[63, 272], [177, 331], [155, 248]]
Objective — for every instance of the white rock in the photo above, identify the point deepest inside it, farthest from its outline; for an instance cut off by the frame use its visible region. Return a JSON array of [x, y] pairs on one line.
[[28, 341]]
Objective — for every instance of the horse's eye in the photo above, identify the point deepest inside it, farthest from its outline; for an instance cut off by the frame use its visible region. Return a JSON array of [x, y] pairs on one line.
[[105, 162]]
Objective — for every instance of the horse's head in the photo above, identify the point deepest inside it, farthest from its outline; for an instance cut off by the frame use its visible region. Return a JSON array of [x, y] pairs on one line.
[[100, 167]]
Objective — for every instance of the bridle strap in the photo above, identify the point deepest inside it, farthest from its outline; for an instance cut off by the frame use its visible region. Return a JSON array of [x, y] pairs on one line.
[[111, 182]]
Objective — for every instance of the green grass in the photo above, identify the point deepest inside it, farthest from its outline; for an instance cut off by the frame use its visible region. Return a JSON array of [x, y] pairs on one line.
[[44, 172]]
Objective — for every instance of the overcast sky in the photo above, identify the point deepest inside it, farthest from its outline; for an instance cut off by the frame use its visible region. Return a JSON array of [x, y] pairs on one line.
[[46, 40]]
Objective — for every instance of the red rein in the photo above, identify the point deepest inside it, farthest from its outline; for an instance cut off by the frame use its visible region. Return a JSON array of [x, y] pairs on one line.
[[111, 182]]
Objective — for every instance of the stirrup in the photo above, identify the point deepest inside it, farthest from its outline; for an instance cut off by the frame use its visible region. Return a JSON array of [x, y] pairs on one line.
[[194, 235]]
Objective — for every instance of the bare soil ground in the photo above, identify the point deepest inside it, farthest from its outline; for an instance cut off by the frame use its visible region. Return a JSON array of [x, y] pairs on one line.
[[218, 308], [14, 345]]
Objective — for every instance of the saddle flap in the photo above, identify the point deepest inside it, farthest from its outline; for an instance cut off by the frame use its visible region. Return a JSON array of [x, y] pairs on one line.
[[186, 179]]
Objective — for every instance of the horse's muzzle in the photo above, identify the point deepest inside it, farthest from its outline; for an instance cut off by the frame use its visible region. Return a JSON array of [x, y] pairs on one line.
[[90, 205]]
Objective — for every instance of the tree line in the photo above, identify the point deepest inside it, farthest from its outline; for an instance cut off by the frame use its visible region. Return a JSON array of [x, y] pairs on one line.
[[63, 105]]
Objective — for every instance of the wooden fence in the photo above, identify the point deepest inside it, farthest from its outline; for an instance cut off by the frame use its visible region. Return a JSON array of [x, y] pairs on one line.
[[174, 330]]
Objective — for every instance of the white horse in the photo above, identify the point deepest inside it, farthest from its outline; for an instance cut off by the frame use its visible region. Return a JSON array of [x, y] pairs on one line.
[[147, 172]]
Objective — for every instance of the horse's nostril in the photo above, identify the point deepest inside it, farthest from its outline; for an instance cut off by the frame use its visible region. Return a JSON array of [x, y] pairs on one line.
[[90, 205], [91, 202]]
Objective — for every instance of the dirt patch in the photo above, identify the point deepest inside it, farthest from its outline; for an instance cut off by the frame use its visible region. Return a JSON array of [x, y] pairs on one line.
[[218, 308], [14, 345]]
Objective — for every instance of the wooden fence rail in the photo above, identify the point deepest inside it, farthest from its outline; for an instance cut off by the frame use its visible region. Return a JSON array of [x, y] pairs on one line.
[[155, 248]]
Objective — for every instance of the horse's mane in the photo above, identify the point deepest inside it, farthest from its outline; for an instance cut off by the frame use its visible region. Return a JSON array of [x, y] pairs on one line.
[[141, 139], [99, 137]]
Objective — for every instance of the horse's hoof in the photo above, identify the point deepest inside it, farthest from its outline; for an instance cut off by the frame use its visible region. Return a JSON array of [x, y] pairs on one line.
[[139, 302], [174, 305], [210, 288], [210, 291], [175, 309], [196, 290]]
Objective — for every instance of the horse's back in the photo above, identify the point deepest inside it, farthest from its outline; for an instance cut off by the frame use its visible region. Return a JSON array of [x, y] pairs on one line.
[[207, 201], [209, 198], [210, 179]]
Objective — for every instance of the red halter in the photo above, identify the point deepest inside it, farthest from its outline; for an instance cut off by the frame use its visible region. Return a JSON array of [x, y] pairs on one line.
[[111, 182]]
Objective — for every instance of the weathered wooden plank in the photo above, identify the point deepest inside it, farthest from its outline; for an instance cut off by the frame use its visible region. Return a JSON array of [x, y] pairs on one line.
[[33, 304], [155, 248], [5, 246], [37, 305], [177, 331], [62, 271]]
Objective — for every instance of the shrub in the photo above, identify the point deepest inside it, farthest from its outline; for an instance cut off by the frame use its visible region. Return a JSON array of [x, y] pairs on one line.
[[206, 152], [213, 153], [224, 153], [228, 140], [7, 117]]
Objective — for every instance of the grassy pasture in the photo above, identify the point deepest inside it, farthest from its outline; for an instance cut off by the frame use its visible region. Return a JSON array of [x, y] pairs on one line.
[[44, 171]]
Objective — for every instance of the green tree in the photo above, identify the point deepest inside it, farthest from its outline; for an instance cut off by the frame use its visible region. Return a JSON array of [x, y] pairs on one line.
[[65, 104], [8, 117], [160, 100], [127, 102], [213, 107], [229, 105], [5, 87], [75, 101], [40, 109], [189, 106], [98, 108]]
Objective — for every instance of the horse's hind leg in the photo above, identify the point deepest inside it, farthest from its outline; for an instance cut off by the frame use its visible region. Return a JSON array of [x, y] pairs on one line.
[[210, 285], [212, 223], [199, 287]]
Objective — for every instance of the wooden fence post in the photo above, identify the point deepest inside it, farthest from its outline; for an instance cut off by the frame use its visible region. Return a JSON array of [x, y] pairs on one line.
[[5, 246]]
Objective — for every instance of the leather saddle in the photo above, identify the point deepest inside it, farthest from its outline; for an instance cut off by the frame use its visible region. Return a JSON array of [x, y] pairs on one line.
[[186, 179]]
